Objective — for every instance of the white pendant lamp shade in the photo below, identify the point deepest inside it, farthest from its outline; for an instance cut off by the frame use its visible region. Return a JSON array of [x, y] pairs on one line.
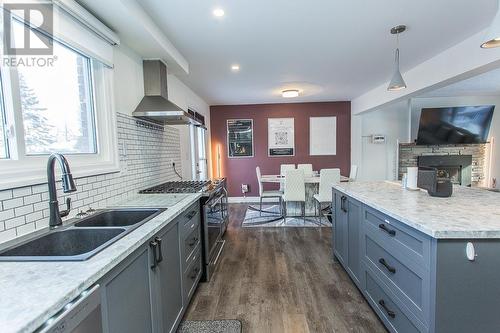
[[492, 38], [397, 81]]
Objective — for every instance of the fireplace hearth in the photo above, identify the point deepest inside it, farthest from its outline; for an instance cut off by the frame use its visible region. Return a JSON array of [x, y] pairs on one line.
[[456, 168]]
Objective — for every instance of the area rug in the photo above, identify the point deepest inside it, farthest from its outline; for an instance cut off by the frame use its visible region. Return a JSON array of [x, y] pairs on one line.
[[210, 326], [271, 217]]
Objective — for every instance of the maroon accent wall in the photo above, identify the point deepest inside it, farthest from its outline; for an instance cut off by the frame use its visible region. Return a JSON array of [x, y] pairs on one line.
[[242, 170]]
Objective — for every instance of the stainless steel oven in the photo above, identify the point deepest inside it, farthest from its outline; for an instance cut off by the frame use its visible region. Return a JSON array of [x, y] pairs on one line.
[[215, 222]]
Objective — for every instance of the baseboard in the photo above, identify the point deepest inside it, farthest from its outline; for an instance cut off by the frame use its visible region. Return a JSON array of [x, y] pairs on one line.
[[250, 199]]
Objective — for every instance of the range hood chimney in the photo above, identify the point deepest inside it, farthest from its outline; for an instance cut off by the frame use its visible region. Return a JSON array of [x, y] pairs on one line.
[[155, 105]]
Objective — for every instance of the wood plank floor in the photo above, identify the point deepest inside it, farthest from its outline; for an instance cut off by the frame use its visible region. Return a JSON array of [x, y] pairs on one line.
[[281, 280]]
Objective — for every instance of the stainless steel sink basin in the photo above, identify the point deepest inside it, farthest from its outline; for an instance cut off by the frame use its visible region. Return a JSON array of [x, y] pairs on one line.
[[64, 245], [81, 240], [118, 218]]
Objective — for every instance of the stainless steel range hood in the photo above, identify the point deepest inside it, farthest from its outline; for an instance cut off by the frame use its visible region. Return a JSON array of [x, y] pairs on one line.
[[155, 105]]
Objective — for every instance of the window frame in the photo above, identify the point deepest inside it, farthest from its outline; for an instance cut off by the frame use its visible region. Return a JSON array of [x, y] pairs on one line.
[[21, 169]]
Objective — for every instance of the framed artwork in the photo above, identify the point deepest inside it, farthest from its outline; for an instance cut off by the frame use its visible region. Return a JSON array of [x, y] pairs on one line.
[[323, 136], [239, 138], [280, 137]]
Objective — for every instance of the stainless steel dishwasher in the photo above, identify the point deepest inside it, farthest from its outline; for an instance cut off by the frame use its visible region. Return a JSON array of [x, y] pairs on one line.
[[82, 315]]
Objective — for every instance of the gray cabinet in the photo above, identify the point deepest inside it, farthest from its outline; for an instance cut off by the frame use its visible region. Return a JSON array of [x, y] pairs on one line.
[[416, 283], [346, 233], [167, 276], [150, 290], [353, 212], [339, 228], [126, 296]]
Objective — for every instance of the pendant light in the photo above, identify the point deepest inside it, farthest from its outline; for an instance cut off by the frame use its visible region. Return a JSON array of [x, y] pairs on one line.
[[492, 38], [397, 81]]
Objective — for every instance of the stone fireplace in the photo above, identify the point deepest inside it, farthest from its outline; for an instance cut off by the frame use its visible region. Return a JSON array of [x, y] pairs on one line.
[[457, 168], [463, 164]]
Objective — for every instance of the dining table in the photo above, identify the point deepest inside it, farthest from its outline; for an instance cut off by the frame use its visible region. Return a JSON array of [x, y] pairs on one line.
[[311, 187]]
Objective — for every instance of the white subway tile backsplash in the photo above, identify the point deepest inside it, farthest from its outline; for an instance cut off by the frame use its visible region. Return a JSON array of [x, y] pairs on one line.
[[13, 203], [32, 199], [7, 235], [23, 210], [15, 222], [145, 156], [22, 191], [7, 194], [25, 229]]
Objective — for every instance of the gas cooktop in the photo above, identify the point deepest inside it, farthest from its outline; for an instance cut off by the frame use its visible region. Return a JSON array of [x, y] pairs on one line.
[[182, 186]]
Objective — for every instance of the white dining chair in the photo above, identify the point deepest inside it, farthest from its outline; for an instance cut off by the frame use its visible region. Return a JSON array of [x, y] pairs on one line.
[[283, 169], [308, 169], [354, 173], [295, 190], [266, 194], [327, 177]]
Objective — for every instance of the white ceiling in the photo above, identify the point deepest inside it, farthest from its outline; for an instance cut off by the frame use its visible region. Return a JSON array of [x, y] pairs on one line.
[[331, 50], [487, 84]]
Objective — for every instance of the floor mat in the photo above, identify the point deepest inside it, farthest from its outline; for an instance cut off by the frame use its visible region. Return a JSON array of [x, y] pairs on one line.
[[210, 326], [271, 217]]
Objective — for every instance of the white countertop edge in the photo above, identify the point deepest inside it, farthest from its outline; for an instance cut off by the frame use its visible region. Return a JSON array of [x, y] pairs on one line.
[[438, 234], [25, 324]]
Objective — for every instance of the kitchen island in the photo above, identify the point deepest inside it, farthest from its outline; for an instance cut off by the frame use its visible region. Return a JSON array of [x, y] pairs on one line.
[[424, 264]]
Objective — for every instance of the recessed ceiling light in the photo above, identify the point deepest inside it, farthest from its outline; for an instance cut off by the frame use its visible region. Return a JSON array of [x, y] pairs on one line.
[[290, 93], [235, 67], [218, 12]]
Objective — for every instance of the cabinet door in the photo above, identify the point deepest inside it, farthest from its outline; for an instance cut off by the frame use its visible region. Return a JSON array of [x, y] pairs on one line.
[[340, 230], [127, 301], [168, 277], [353, 231]]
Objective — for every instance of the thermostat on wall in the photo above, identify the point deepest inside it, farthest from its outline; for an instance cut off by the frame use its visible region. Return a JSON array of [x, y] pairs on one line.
[[378, 138]]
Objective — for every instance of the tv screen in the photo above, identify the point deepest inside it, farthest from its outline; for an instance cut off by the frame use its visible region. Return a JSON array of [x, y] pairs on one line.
[[455, 125]]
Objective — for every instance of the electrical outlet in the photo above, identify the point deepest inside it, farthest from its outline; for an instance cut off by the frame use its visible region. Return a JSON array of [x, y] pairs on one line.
[[172, 162], [244, 188]]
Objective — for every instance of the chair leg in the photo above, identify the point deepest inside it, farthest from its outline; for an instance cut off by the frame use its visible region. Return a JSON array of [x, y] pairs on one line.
[[284, 212], [304, 211], [260, 207], [320, 213]]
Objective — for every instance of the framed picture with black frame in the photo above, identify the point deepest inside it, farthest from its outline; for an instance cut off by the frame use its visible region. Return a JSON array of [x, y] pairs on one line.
[[240, 138]]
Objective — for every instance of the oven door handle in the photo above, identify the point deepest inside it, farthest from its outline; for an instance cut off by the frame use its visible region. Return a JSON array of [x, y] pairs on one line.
[[223, 242]]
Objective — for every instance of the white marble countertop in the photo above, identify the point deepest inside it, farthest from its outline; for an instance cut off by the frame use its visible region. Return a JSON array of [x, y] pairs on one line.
[[31, 292], [468, 213]]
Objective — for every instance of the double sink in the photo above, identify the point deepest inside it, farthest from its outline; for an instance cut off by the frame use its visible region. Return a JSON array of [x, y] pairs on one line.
[[81, 240]]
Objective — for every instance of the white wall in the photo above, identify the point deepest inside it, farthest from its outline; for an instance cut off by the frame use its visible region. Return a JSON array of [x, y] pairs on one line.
[[129, 90], [128, 80], [184, 97], [418, 103], [379, 161]]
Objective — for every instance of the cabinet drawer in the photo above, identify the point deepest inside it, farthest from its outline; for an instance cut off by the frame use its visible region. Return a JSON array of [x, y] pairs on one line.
[[388, 308], [192, 274], [410, 282], [190, 220], [191, 243], [412, 244]]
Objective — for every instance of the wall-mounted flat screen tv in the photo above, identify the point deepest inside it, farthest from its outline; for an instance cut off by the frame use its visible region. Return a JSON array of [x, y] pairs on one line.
[[455, 125]]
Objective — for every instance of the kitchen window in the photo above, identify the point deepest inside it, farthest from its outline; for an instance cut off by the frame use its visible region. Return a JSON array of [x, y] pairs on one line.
[[55, 121], [64, 107]]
